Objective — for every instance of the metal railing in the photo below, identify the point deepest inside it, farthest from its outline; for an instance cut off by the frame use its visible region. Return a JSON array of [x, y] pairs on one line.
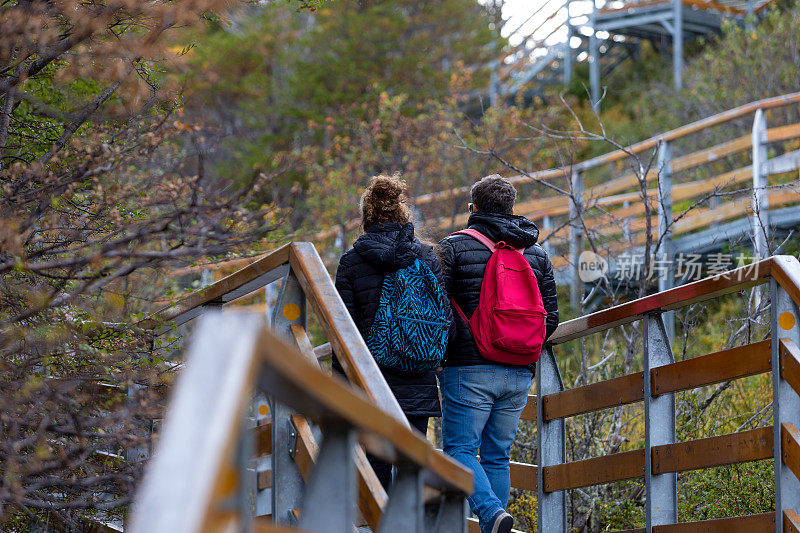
[[258, 437], [662, 456]]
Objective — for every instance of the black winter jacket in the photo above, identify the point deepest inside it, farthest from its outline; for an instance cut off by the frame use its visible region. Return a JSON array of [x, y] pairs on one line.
[[464, 263], [387, 247]]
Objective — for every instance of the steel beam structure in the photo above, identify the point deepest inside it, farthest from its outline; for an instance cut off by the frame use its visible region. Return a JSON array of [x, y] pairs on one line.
[[785, 324], [551, 445]]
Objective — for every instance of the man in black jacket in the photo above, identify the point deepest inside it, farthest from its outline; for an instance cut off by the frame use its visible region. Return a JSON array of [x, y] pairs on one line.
[[483, 400]]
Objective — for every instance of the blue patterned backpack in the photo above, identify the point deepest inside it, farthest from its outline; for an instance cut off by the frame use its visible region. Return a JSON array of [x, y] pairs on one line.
[[410, 330]]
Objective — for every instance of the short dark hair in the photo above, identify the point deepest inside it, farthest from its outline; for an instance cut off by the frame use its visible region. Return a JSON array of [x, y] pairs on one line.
[[494, 194]]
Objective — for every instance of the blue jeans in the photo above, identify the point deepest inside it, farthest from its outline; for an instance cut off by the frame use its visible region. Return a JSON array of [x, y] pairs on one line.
[[481, 406]]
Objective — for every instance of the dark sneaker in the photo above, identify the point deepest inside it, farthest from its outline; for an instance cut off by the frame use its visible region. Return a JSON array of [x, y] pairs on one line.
[[502, 523]]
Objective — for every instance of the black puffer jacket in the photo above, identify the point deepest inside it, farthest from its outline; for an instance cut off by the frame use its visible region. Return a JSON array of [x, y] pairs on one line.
[[464, 263], [359, 278]]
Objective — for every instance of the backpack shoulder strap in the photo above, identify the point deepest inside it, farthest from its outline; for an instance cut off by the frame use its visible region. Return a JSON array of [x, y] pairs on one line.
[[483, 239], [477, 235]]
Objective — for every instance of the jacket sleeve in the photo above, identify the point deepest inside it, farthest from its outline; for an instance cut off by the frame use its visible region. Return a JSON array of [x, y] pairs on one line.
[[436, 268], [344, 285], [446, 256], [547, 287], [444, 263]]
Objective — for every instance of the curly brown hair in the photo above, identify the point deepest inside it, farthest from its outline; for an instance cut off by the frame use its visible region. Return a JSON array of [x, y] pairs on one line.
[[384, 200]]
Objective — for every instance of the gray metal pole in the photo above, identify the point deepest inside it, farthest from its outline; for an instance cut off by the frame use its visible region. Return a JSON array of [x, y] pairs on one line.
[[659, 427], [666, 251], [760, 201], [287, 482], [551, 445], [328, 502], [785, 323], [575, 238], [404, 510], [568, 46], [677, 43], [493, 83], [594, 58]]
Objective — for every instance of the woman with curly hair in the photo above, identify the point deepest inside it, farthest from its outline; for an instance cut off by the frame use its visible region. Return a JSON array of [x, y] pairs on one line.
[[382, 261]]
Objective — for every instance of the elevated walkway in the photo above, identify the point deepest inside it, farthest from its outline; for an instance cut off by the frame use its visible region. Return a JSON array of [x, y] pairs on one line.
[[575, 31], [704, 187], [258, 438]]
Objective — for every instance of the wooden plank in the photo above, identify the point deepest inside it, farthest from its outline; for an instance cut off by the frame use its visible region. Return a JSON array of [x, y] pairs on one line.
[[529, 412], [791, 521], [698, 291], [752, 445], [193, 468], [346, 341], [372, 497], [371, 494], [263, 434], [708, 155], [594, 471], [264, 479], [783, 133], [306, 448], [790, 363], [790, 447], [523, 476], [786, 272], [719, 366], [296, 382], [609, 393], [216, 292], [758, 523], [647, 144]]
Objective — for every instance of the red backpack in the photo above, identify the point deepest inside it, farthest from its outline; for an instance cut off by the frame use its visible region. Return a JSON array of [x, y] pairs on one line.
[[509, 324]]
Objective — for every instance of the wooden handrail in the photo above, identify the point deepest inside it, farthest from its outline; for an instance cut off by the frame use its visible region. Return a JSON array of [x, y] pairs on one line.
[[193, 477], [255, 275], [616, 155], [346, 341], [297, 383], [353, 354], [790, 363], [785, 269]]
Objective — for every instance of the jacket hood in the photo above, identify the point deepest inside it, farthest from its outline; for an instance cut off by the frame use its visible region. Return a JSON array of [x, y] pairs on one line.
[[388, 246], [515, 230]]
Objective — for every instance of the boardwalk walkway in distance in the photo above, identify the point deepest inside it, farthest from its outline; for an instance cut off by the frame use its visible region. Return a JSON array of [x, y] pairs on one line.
[[711, 185]]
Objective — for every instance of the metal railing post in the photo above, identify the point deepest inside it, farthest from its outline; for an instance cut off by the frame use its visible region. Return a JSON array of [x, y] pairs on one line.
[[594, 58], [494, 83], [677, 43], [760, 202], [659, 426], [404, 509], [784, 322], [665, 252], [287, 482], [568, 47], [328, 502], [575, 238], [551, 445]]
